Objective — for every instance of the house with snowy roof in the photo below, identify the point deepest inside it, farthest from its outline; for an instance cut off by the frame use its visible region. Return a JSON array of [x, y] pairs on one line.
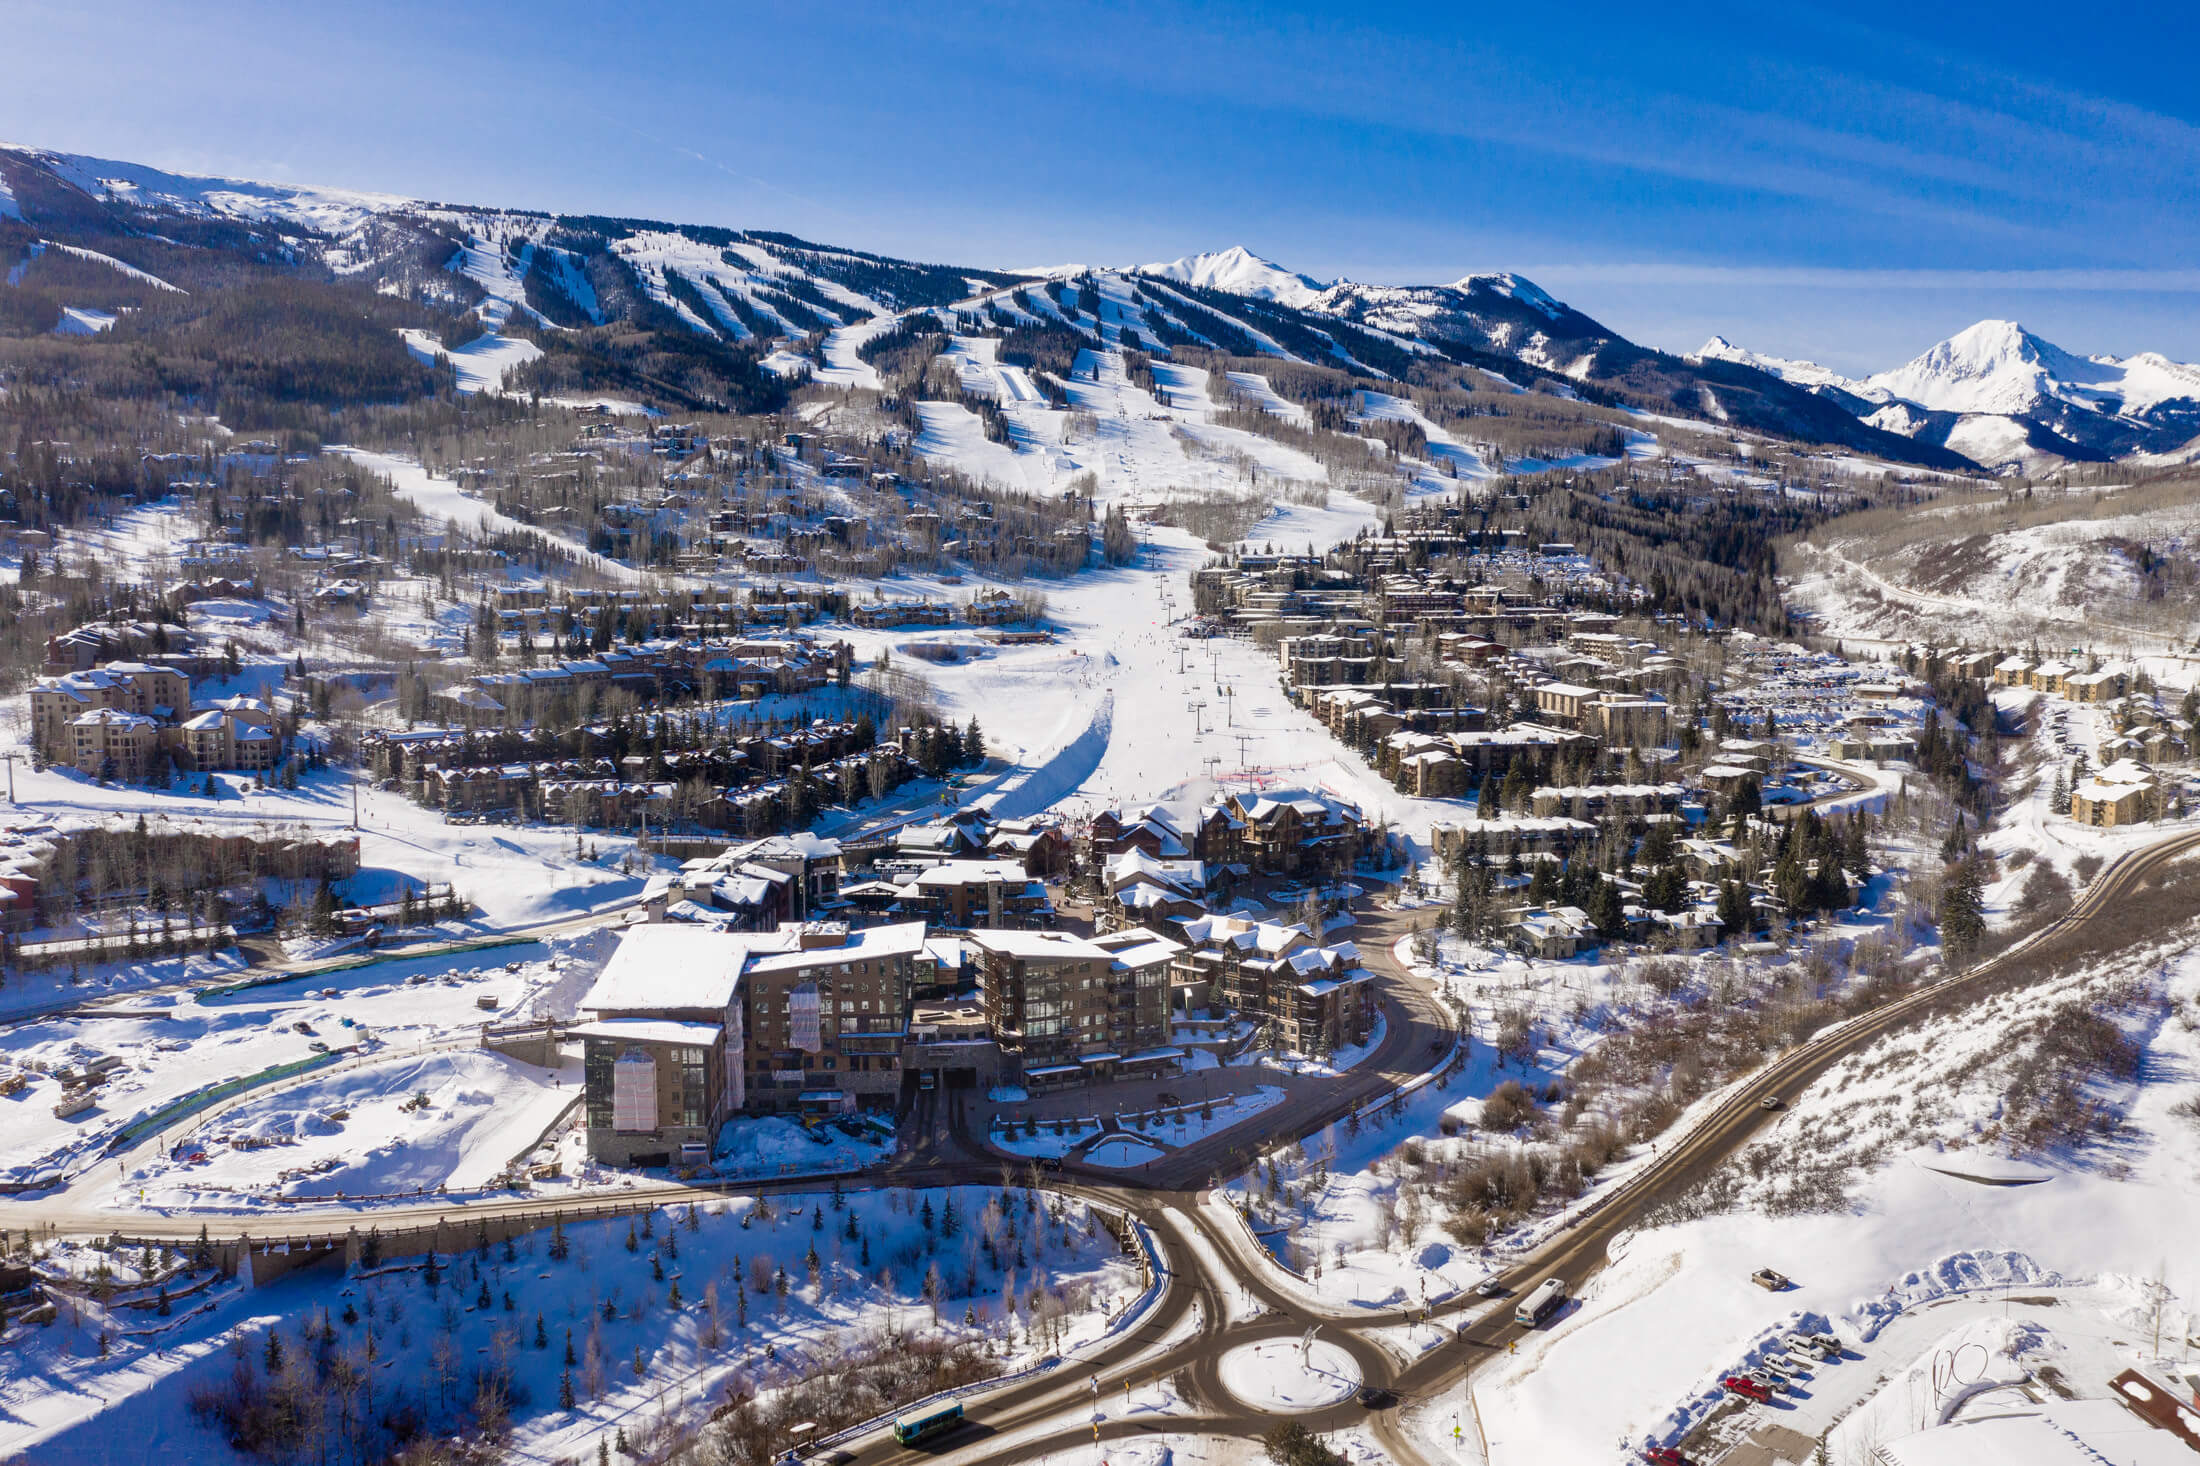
[[1299, 833], [1318, 997]]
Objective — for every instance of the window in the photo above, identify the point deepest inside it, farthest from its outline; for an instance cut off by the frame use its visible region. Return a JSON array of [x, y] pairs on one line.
[[596, 1076], [694, 1087]]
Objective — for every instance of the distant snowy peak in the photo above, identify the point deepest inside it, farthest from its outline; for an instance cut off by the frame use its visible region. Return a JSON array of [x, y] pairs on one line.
[[1513, 287], [1994, 367], [2007, 398], [325, 210], [1239, 271], [1808, 375]]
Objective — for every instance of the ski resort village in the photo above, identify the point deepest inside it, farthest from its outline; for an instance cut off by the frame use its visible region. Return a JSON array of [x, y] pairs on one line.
[[638, 843]]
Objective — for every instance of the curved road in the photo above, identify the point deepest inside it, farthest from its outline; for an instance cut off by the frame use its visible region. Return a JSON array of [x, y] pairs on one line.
[[1216, 1272]]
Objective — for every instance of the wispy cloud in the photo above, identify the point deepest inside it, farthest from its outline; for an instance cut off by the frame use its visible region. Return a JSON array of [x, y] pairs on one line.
[[1651, 272]]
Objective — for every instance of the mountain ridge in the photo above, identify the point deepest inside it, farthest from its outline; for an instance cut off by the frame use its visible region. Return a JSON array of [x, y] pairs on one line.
[[727, 309]]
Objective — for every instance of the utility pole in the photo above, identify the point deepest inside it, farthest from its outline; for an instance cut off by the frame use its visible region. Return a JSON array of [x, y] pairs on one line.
[[11, 776], [354, 796]]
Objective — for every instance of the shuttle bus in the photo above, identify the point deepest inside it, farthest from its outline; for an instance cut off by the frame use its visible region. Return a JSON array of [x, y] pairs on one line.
[[932, 1420], [1540, 1304]]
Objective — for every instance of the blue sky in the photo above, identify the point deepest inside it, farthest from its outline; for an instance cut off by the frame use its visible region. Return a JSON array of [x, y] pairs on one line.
[[1798, 179]]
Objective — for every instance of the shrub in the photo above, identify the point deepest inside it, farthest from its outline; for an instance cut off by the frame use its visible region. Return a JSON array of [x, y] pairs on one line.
[[1508, 1108]]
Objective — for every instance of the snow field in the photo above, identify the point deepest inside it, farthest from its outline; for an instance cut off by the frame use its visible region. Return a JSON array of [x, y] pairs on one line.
[[362, 1134], [481, 363], [1676, 1307], [175, 1046]]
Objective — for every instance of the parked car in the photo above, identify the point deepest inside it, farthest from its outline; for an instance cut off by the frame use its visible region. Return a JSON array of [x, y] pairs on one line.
[[1820, 1347], [1665, 1456], [1747, 1388], [1770, 1280]]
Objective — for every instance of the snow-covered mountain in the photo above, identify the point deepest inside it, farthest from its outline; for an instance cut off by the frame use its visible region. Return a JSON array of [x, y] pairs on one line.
[[699, 316], [2008, 398], [1240, 272], [1862, 397]]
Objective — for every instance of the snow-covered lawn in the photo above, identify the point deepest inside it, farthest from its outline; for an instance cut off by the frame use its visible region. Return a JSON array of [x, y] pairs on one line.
[[1124, 1151], [1186, 1125], [174, 1046], [1046, 1143], [363, 1132]]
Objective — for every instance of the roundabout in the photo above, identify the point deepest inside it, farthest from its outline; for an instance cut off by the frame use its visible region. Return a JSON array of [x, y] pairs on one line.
[[1289, 1375]]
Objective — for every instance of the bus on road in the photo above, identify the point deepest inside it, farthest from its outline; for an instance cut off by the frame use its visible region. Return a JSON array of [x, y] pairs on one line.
[[1540, 1304], [932, 1420]]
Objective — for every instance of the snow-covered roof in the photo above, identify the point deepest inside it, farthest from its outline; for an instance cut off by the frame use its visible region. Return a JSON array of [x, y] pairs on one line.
[[902, 939], [1141, 953], [2059, 1433], [797, 843], [966, 872], [1186, 875], [1051, 946], [664, 966], [651, 1031]]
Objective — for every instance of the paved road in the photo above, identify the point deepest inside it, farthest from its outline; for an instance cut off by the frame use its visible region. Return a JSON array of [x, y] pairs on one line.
[[1214, 1268], [1481, 1329]]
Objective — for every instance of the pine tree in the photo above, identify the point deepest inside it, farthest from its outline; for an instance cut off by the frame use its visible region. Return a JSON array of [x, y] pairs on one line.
[[1734, 913], [1962, 912]]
